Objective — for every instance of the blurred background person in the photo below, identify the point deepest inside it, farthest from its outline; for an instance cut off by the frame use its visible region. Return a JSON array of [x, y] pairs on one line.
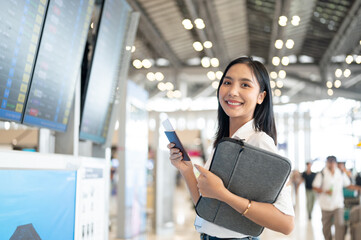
[[342, 167], [329, 183], [295, 179], [308, 176]]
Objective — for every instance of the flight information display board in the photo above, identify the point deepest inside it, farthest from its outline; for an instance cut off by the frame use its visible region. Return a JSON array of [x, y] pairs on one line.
[[20, 29], [58, 63], [104, 71]]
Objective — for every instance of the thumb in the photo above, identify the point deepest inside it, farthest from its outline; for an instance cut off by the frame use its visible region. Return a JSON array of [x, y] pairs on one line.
[[201, 169]]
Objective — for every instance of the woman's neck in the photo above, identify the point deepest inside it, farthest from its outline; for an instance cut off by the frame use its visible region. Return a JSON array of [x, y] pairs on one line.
[[235, 124]]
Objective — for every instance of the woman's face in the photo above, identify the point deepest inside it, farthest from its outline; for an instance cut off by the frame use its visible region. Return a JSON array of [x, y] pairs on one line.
[[240, 93]]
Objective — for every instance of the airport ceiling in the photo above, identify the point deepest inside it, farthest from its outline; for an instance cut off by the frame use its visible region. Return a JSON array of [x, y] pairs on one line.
[[326, 34]]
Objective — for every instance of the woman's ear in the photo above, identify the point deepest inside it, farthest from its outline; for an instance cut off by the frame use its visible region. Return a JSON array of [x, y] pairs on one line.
[[261, 97]]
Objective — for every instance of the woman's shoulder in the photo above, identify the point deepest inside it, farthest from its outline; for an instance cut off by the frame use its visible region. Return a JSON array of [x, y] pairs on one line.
[[262, 140]]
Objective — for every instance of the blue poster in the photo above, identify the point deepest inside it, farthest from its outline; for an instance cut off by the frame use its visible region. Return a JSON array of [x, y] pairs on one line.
[[37, 203]]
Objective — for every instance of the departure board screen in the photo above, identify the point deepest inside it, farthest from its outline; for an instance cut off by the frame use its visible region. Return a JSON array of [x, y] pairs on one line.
[[104, 71], [58, 63], [20, 29]]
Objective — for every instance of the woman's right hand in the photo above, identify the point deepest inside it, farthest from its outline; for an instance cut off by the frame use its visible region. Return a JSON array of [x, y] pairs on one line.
[[176, 159]]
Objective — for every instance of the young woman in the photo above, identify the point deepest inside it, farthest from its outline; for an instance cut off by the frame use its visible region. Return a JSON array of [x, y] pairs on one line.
[[245, 111]]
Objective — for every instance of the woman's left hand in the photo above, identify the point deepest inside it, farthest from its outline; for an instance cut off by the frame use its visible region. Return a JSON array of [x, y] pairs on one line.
[[209, 184]]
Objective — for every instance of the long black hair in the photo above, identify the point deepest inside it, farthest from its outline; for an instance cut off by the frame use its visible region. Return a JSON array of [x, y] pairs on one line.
[[263, 114]]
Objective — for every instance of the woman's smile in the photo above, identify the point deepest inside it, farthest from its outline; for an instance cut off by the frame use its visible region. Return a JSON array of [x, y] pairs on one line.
[[233, 103]]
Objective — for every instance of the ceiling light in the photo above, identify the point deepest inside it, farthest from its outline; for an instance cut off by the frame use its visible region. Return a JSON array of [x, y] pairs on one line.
[[193, 61], [285, 61], [162, 62], [349, 59], [219, 75], [278, 44], [170, 94], [7, 125], [146, 63], [282, 74], [137, 64], [199, 23], [273, 75], [278, 92], [329, 84], [161, 86], [207, 44], [205, 62], [347, 72], [151, 76], [279, 83], [159, 76], [177, 94], [330, 92], [197, 46], [214, 62], [290, 43], [282, 21], [187, 24], [338, 58], [295, 20], [276, 61], [292, 58], [338, 72], [211, 75], [273, 84], [169, 86], [133, 49], [215, 84], [358, 59], [128, 48], [306, 59], [337, 83]]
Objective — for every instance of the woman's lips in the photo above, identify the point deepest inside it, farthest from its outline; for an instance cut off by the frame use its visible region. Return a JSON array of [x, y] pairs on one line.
[[233, 103]]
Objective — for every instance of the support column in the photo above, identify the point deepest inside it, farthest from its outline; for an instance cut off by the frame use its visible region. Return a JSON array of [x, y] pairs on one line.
[[165, 182], [296, 129], [46, 141], [307, 135], [287, 136]]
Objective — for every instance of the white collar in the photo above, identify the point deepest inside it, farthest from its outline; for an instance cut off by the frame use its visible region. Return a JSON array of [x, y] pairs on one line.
[[245, 131]]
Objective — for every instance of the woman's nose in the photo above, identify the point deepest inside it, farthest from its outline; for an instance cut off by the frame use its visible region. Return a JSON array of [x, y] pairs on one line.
[[233, 91]]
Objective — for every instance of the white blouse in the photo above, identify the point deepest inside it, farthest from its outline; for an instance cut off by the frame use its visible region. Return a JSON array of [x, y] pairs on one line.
[[283, 202]]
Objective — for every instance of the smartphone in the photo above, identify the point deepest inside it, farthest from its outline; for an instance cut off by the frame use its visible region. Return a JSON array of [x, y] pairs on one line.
[[173, 138]]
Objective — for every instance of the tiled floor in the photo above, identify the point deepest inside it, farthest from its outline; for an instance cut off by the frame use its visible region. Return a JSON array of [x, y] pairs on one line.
[[184, 217]]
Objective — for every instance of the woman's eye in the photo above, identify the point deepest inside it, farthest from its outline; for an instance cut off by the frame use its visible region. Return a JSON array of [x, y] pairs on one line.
[[244, 85], [226, 82]]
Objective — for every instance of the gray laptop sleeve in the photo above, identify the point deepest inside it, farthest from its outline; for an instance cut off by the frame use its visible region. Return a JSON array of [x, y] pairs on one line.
[[246, 171]]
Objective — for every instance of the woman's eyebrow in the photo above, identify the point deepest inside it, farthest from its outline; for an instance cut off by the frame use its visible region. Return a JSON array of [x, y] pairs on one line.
[[246, 80], [240, 79]]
